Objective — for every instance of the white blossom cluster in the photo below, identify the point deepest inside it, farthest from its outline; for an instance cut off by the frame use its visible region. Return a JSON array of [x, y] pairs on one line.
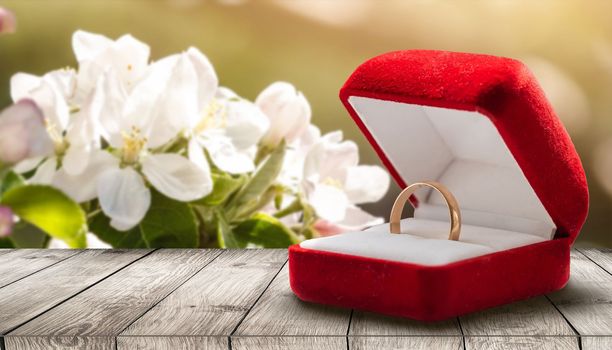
[[120, 124]]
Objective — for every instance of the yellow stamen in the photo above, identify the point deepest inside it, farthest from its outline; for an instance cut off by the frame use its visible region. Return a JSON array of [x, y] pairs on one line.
[[332, 182], [212, 118], [133, 143], [60, 144]]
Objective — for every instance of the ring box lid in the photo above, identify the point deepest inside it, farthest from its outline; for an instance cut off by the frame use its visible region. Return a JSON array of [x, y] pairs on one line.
[[479, 124]]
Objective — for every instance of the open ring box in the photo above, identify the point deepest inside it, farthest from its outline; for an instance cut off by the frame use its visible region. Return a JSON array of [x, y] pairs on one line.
[[482, 126]]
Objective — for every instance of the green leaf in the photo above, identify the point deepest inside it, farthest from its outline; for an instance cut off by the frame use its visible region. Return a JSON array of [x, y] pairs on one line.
[[265, 231], [262, 179], [10, 180], [50, 210], [169, 224], [6, 243], [224, 186], [100, 226], [225, 235], [26, 235]]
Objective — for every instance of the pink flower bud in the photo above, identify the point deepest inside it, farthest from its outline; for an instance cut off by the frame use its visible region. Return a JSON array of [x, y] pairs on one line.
[[23, 133], [6, 221], [8, 24]]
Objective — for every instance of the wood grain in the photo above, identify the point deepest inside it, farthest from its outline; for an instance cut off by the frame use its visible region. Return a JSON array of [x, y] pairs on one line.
[[512, 343], [194, 299], [107, 308], [172, 342], [596, 343], [19, 263], [280, 313], [289, 343], [214, 300], [536, 316], [370, 324], [403, 342], [31, 296], [63, 343], [601, 256], [586, 301]]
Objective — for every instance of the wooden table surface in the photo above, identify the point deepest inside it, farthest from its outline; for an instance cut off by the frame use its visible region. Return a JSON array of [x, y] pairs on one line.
[[240, 299]]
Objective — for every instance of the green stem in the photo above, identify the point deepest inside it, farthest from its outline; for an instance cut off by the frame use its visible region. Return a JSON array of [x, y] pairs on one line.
[[294, 207]]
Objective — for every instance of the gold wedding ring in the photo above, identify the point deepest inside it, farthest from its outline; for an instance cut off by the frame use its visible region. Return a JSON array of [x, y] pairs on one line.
[[451, 202]]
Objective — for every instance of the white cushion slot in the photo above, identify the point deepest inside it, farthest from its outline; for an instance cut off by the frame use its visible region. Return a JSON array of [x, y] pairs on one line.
[[422, 242], [464, 151]]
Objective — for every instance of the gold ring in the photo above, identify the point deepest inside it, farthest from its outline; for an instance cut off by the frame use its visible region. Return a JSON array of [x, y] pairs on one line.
[[451, 202]]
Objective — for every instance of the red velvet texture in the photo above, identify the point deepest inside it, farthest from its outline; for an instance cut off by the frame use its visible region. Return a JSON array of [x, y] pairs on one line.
[[502, 89], [428, 293], [506, 92]]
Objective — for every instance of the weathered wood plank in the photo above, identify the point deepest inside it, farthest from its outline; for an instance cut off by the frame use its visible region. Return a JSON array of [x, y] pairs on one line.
[[534, 317], [280, 313], [373, 331], [586, 301], [370, 324], [596, 343], [511, 343], [171, 342], [601, 256], [405, 342], [19, 263], [212, 302], [63, 343], [107, 308], [288, 343], [31, 296]]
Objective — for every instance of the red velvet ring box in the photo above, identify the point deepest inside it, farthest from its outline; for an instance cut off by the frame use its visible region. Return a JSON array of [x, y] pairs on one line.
[[482, 126]]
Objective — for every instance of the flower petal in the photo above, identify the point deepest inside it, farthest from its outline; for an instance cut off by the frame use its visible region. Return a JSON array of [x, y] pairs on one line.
[[356, 220], [83, 186], [177, 177], [123, 196], [366, 183], [87, 45], [53, 105], [177, 107], [329, 202], [107, 105], [76, 159], [22, 84], [225, 156], [23, 133], [245, 123], [45, 172], [329, 159], [207, 78], [27, 164], [7, 220], [93, 242], [197, 156], [8, 23], [288, 110]]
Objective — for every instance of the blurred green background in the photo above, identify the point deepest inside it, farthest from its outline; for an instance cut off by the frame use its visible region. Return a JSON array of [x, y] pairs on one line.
[[316, 44]]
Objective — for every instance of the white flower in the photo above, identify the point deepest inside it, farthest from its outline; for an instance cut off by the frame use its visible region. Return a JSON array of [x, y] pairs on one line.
[[229, 130], [22, 133], [355, 219], [288, 111], [333, 182], [8, 23], [74, 136], [95, 53], [138, 123]]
